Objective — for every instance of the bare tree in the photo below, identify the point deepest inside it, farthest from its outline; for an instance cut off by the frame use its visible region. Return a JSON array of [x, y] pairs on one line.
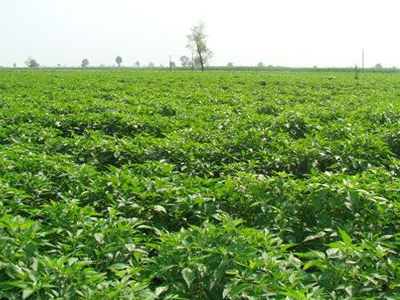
[[85, 63], [31, 63], [197, 42], [118, 60], [185, 61]]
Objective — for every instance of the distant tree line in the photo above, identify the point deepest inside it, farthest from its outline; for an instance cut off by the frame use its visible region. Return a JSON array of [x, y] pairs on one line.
[[195, 62], [200, 56]]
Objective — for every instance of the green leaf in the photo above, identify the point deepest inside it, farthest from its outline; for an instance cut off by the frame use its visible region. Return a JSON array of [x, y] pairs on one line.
[[160, 290], [26, 293], [313, 263], [314, 236], [72, 260], [345, 237], [160, 209], [118, 266], [296, 295], [226, 291], [334, 253], [189, 276], [130, 247], [99, 237], [219, 273], [338, 245]]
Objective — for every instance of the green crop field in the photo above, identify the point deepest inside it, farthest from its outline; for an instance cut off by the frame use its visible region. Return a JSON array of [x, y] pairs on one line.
[[123, 184]]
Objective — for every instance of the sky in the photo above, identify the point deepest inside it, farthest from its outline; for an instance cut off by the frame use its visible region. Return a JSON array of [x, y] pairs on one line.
[[294, 33]]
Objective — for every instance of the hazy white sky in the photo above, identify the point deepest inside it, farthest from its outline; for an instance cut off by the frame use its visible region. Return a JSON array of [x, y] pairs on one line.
[[280, 32]]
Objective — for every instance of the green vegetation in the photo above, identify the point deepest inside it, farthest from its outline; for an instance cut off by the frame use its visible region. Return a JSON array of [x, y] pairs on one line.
[[121, 184]]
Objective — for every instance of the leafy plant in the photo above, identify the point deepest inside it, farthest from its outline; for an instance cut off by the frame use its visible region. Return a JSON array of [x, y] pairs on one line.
[[135, 184]]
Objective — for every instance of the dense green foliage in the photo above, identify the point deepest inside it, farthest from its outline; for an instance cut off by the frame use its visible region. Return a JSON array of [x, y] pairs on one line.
[[179, 185]]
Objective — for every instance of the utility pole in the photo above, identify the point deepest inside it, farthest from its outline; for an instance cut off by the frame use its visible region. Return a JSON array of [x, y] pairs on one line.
[[362, 59]]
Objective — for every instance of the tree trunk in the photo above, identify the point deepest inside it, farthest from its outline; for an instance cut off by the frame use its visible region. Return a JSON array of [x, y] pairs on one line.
[[201, 62], [200, 57]]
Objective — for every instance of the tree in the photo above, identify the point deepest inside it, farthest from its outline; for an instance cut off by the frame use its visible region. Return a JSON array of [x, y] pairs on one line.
[[137, 64], [172, 64], [197, 42], [85, 63], [260, 65], [185, 61], [229, 64], [356, 72], [118, 60], [151, 65], [14, 65], [31, 63], [378, 66]]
